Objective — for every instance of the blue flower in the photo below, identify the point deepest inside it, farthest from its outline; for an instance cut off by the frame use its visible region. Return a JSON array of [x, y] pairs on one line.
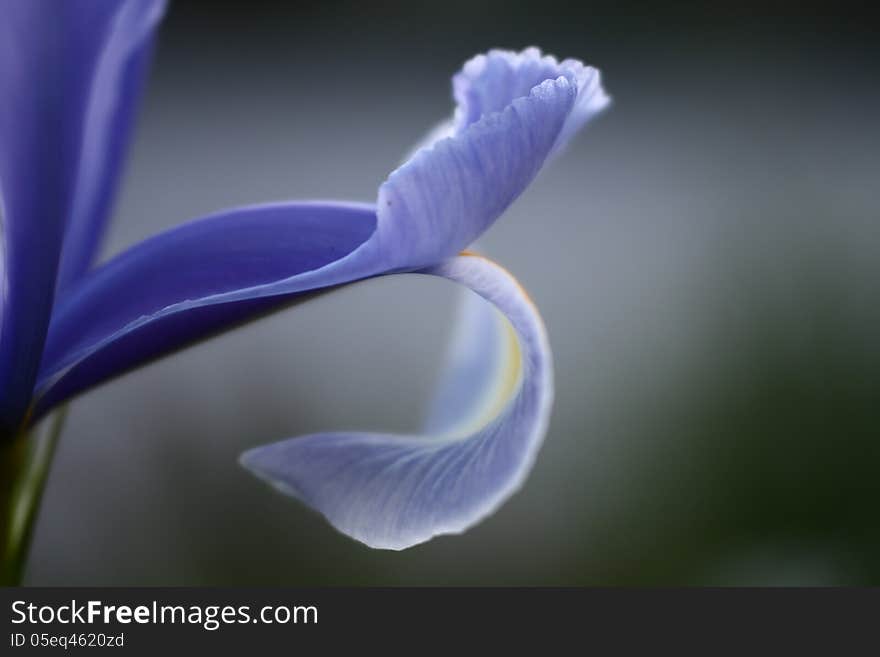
[[69, 79]]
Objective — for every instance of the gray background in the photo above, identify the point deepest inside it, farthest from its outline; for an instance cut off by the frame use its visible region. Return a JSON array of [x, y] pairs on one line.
[[705, 257]]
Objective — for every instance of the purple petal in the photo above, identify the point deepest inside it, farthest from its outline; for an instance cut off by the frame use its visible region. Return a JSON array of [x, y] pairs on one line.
[[49, 54], [397, 491], [114, 97], [199, 278]]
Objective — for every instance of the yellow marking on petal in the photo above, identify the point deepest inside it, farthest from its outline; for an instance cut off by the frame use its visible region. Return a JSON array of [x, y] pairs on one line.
[[503, 388], [509, 374], [509, 370]]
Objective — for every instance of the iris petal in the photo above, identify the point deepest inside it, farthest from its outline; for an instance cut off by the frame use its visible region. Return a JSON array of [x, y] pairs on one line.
[[514, 110], [49, 54], [478, 355], [392, 491], [447, 195], [487, 82], [196, 279], [114, 96]]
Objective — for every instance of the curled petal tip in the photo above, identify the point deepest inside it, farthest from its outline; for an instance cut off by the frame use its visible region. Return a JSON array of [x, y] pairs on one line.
[[134, 308], [488, 82], [448, 194], [393, 492], [514, 111]]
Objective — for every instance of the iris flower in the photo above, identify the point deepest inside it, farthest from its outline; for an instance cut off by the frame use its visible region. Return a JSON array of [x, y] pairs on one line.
[[70, 75]]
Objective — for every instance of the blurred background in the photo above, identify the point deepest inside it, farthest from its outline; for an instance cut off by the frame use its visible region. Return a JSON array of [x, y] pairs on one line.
[[706, 258]]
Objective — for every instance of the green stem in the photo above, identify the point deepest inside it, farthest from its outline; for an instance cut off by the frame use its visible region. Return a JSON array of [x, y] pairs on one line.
[[24, 467]]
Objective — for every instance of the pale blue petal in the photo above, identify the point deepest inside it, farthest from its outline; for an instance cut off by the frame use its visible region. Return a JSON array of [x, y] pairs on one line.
[[391, 491], [447, 195], [514, 110], [441, 130], [473, 362], [487, 82]]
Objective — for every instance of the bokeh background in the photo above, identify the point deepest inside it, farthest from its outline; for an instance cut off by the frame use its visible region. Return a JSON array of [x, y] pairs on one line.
[[706, 257]]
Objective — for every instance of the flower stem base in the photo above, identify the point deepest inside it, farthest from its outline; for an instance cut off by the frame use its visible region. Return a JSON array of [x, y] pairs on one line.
[[25, 461]]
